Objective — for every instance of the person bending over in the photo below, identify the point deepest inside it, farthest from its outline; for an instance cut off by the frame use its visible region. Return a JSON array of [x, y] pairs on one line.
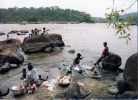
[[77, 59]]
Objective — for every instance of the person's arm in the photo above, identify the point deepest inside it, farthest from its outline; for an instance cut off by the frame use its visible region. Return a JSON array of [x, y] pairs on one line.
[[81, 58]]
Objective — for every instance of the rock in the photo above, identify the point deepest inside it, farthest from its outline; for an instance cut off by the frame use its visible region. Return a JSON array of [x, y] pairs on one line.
[[112, 62], [4, 91], [48, 49], [128, 88], [131, 72], [22, 32], [1, 33], [112, 90], [72, 51], [64, 80], [13, 66], [10, 53], [5, 68], [75, 91], [122, 87], [128, 95], [42, 43], [13, 32]]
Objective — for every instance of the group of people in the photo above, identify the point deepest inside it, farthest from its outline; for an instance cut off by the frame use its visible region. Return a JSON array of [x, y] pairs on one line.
[[32, 79], [36, 31]]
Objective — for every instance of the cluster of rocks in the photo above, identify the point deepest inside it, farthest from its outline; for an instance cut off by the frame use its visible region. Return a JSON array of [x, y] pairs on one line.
[[19, 32], [128, 87], [10, 55]]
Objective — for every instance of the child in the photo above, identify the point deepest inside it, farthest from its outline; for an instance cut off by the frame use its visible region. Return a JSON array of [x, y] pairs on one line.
[[76, 62]]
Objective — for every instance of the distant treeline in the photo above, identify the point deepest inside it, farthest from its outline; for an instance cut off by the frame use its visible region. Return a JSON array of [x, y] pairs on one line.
[[48, 14], [132, 16]]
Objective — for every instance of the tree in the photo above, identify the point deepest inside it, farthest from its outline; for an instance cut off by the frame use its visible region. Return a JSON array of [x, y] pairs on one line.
[[121, 26]]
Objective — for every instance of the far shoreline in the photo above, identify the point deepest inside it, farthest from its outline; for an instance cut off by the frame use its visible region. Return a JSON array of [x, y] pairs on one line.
[[57, 23]]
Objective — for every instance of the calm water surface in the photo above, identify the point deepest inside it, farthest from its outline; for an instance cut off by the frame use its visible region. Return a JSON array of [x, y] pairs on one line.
[[84, 38]]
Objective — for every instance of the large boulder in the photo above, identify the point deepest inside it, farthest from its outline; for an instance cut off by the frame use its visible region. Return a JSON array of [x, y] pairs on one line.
[[10, 53], [41, 43], [128, 87], [4, 90], [112, 62], [131, 72], [4, 68], [76, 91]]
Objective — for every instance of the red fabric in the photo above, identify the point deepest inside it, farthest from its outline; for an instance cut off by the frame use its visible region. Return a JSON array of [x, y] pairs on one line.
[[105, 52]]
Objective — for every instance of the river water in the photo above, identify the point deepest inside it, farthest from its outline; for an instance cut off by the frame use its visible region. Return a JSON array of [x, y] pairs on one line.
[[84, 38]]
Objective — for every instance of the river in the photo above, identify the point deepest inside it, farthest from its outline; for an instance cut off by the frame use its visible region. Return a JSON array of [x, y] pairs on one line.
[[84, 38]]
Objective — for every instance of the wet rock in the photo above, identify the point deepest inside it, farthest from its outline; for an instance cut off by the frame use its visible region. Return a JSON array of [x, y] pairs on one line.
[[13, 66], [10, 53], [1, 33], [122, 87], [5, 68], [42, 43], [113, 90], [128, 95], [128, 88], [48, 49], [4, 91], [13, 32], [72, 51], [75, 91], [131, 72], [112, 62]]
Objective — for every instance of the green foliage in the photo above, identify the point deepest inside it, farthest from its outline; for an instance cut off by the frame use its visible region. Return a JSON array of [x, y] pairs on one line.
[[121, 26], [121, 23], [43, 15]]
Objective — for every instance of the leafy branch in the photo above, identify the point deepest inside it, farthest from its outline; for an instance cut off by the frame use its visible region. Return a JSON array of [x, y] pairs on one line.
[[121, 26]]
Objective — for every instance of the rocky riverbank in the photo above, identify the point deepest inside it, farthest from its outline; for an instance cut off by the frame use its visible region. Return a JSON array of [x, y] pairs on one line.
[[86, 86], [10, 55]]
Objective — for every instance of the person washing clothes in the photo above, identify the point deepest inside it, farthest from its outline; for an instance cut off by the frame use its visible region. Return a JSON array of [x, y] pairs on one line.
[[76, 62]]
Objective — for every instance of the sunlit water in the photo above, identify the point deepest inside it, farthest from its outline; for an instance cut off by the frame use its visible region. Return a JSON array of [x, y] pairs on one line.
[[84, 38]]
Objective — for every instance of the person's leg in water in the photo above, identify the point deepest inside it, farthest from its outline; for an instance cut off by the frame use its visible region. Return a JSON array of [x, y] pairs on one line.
[[99, 60], [23, 73]]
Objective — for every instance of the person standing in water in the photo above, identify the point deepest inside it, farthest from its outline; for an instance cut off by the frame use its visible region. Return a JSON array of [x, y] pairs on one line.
[[105, 53]]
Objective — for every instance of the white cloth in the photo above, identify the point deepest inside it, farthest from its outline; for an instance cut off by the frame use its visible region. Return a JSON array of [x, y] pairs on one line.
[[32, 75]]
